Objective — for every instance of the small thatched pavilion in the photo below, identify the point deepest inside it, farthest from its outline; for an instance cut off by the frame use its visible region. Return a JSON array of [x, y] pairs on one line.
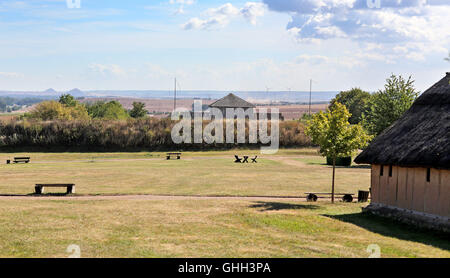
[[231, 101], [411, 162]]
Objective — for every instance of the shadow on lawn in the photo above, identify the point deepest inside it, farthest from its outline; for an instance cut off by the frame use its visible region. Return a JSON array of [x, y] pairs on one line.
[[345, 167], [391, 228], [267, 206], [36, 195]]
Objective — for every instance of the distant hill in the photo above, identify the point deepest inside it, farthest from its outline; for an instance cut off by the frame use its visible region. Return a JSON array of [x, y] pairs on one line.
[[50, 91], [76, 93]]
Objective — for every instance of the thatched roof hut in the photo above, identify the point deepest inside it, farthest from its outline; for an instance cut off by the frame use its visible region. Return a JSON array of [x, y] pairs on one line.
[[410, 177], [421, 137], [232, 101]]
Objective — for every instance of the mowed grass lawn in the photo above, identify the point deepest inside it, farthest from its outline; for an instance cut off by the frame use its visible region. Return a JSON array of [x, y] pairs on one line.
[[288, 173], [205, 228], [195, 227]]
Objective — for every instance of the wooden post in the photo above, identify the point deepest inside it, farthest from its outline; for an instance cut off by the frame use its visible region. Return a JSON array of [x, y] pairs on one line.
[[332, 183], [310, 92]]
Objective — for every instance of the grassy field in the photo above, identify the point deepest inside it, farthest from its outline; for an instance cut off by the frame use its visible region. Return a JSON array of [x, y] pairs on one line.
[[288, 173], [191, 226], [205, 228]]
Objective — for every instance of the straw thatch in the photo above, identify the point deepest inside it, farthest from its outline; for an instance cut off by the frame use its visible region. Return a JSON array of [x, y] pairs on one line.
[[231, 101], [421, 137]]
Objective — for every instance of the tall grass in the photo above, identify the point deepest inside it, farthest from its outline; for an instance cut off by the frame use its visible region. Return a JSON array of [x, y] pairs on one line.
[[114, 135]]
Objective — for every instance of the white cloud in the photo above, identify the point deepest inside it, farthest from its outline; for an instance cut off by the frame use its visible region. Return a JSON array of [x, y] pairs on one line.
[[221, 16], [311, 59], [252, 10], [106, 70], [416, 27], [11, 74], [181, 4]]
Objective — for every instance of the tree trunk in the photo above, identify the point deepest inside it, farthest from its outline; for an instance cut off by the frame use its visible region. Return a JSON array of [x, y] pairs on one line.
[[332, 183]]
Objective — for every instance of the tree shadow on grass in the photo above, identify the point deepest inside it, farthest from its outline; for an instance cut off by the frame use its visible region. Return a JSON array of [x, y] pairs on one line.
[[343, 167], [390, 228], [269, 206]]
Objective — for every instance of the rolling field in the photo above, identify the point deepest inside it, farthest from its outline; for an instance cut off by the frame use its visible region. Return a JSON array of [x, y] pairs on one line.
[[136, 225]]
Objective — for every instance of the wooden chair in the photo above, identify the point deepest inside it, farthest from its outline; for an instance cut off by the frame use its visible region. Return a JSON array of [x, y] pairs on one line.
[[238, 160]]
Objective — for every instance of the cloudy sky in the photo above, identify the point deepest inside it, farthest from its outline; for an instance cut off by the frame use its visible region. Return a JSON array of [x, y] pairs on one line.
[[221, 45]]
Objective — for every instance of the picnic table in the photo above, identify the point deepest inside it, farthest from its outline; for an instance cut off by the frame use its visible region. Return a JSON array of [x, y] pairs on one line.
[[346, 197], [24, 159], [39, 188], [178, 155], [244, 159]]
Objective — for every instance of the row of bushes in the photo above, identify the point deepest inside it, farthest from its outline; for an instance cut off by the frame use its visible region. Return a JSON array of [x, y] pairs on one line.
[[145, 134]]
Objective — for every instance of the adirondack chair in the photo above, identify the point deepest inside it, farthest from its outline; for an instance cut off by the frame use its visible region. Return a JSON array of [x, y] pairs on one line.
[[238, 160]]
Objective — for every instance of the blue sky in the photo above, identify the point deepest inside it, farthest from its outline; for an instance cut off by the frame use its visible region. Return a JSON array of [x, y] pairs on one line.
[[221, 45]]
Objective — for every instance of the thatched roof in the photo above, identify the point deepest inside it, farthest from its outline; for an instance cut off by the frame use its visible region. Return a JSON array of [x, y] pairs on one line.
[[421, 137], [231, 101]]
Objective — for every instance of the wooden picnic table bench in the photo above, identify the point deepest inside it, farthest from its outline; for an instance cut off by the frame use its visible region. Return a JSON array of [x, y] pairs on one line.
[[24, 159], [346, 197], [39, 188], [178, 155], [245, 159]]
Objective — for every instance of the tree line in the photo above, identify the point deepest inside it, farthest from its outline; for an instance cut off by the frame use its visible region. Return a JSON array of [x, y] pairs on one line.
[[377, 111], [68, 108], [10, 104], [141, 134]]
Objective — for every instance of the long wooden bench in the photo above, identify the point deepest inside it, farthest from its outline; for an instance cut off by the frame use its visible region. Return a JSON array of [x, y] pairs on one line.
[[39, 188], [25, 159], [346, 197]]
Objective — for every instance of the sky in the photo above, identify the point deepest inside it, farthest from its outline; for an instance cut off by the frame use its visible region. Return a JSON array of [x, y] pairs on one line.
[[275, 45]]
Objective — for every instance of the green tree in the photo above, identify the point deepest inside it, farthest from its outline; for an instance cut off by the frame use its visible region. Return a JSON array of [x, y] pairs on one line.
[[2, 105], [112, 110], [388, 105], [356, 101], [68, 100], [49, 110], [54, 110], [138, 110], [335, 136]]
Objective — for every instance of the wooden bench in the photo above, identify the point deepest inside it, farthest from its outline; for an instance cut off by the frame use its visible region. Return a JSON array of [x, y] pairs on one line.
[[346, 197], [178, 155], [39, 188], [21, 159]]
